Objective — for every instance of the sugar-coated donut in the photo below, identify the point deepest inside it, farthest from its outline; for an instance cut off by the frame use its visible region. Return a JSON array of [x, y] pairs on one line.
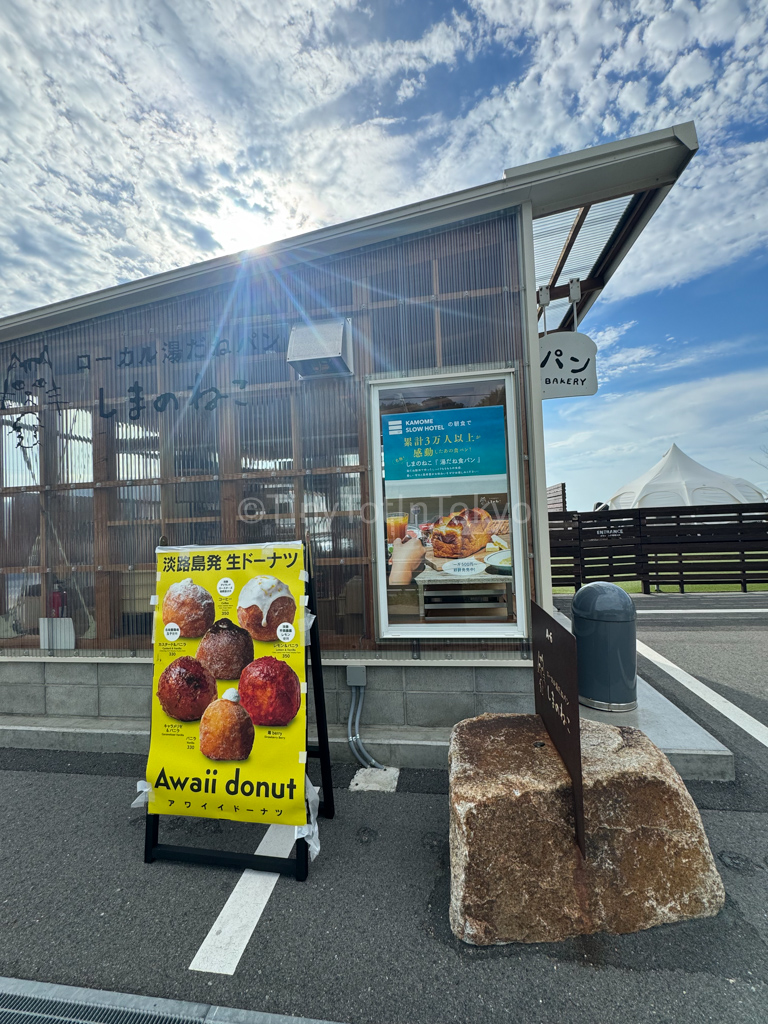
[[270, 692], [190, 606], [225, 649], [185, 689], [226, 732], [264, 603]]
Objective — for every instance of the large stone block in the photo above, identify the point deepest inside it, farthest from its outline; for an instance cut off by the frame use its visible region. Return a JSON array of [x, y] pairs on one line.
[[516, 872], [330, 677], [72, 699], [125, 701], [435, 710], [21, 670], [77, 672], [331, 707], [439, 678], [125, 672], [515, 703], [379, 707], [22, 699], [385, 677], [503, 679], [382, 707]]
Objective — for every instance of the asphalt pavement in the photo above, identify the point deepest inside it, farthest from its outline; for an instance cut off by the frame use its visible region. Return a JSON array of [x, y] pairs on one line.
[[366, 939]]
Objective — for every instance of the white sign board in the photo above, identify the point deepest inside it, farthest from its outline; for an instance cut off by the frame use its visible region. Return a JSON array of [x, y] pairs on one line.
[[568, 365]]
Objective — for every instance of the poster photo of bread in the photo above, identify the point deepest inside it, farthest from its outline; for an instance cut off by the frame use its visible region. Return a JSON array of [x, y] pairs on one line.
[[228, 733], [449, 533]]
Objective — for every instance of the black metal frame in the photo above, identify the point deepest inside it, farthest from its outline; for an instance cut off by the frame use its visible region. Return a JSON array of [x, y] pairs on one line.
[[297, 866]]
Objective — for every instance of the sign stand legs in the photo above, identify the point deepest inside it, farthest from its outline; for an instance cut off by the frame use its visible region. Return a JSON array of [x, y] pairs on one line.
[[297, 866], [322, 750]]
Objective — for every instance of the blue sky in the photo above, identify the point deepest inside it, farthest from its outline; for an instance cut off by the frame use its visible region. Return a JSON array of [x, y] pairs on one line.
[[139, 137]]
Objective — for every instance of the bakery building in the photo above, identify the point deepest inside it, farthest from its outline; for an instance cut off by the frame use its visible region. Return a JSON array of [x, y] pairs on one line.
[[374, 385]]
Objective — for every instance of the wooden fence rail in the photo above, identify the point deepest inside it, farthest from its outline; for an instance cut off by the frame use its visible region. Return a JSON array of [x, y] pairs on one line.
[[678, 547]]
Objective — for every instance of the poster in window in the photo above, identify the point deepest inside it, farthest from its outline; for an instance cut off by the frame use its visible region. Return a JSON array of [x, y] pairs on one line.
[[447, 537]]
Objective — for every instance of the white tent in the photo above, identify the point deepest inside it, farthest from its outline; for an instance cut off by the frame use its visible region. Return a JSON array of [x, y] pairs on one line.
[[677, 480]]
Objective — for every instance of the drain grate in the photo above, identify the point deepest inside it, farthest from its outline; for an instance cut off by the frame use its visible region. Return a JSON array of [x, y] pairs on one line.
[[17, 1009]]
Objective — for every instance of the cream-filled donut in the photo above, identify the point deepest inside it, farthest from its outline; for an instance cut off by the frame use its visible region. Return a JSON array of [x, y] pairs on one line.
[[265, 602]]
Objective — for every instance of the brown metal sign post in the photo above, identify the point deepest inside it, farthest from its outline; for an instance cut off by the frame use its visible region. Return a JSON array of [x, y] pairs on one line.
[[556, 691]]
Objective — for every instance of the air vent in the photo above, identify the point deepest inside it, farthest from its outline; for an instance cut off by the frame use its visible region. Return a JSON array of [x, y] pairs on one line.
[[321, 349]]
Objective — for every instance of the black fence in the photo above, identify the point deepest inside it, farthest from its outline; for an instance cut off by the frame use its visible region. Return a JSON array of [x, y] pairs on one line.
[[683, 546]]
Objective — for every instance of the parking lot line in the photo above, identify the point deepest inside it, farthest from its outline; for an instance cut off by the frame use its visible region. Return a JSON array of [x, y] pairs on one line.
[[746, 722], [225, 943]]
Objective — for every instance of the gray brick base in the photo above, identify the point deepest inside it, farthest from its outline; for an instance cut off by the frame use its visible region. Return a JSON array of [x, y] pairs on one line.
[[427, 695]]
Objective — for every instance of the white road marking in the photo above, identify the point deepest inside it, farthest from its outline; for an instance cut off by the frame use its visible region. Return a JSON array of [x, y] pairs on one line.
[[375, 780], [702, 611], [226, 941], [746, 722]]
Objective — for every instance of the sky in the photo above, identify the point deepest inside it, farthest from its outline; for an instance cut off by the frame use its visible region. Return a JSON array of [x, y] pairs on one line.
[[139, 137]]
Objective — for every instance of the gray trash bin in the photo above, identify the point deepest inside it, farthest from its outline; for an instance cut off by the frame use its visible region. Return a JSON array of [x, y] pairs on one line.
[[604, 624]]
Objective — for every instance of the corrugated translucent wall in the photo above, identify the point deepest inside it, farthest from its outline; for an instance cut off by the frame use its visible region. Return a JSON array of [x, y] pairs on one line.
[[182, 418]]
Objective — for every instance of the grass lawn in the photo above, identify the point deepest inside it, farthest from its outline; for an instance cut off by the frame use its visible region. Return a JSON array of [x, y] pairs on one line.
[[636, 587]]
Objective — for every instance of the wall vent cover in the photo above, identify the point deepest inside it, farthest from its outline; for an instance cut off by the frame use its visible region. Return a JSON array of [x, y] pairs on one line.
[[322, 348]]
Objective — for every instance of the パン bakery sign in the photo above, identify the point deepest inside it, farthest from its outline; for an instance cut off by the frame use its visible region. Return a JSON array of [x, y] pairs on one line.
[[568, 364]]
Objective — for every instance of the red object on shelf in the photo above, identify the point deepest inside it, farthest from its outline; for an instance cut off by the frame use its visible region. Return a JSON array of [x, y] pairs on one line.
[[57, 602]]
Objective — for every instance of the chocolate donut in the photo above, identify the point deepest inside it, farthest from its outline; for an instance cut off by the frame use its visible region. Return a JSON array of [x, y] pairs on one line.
[[225, 649], [264, 603], [226, 731], [190, 606], [185, 689], [270, 692]]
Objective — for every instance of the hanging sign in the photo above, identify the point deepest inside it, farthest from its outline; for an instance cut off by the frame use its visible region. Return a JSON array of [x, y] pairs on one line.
[[568, 364], [228, 734]]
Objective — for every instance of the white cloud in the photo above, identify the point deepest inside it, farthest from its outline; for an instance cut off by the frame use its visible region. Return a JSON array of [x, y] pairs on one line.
[[669, 31], [715, 215], [139, 137], [690, 72], [409, 87], [143, 137], [616, 364], [608, 336]]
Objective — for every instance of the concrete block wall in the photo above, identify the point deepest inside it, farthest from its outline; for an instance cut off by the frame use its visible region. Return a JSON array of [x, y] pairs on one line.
[[76, 687], [428, 695], [418, 695]]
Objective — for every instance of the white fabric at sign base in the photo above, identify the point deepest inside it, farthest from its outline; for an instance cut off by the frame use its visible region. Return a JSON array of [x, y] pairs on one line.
[[310, 832], [144, 790], [305, 626]]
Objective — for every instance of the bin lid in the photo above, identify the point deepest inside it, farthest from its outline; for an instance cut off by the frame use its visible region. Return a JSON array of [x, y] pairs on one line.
[[605, 602]]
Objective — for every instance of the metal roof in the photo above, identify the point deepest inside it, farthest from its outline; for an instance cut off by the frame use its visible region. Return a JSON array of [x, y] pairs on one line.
[[614, 189], [570, 244]]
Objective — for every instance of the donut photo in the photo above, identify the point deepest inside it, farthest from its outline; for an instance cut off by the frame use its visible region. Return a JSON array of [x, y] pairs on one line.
[[225, 649], [185, 689], [270, 692], [190, 606], [226, 730], [265, 602]]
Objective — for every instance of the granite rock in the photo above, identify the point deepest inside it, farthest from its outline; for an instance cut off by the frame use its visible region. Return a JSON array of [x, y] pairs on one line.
[[516, 872]]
